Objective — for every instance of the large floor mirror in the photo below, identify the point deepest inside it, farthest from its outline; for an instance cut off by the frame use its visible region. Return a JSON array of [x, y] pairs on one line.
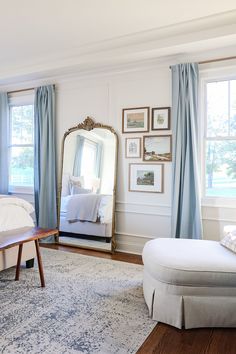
[[87, 188]]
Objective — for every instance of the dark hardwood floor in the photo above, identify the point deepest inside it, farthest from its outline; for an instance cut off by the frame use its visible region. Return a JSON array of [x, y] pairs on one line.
[[165, 339]]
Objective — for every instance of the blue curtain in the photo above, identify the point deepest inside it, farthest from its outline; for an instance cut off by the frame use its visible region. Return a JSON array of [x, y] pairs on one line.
[[45, 158], [186, 209], [4, 120], [78, 155]]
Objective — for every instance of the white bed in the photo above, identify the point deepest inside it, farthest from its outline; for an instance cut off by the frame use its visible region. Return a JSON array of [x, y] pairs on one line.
[[14, 215], [87, 214]]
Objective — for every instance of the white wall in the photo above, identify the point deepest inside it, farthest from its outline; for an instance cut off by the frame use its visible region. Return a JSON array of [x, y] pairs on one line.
[[139, 216]]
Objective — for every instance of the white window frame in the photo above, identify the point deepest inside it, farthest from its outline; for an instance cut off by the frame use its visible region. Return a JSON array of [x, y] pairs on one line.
[[19, 99], [216, 75]]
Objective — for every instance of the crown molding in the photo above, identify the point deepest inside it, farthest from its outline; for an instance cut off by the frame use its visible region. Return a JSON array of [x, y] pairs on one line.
[[159, 44]]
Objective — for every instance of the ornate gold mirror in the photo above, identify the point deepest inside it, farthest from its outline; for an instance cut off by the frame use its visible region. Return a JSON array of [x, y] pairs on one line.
[[88, 184]]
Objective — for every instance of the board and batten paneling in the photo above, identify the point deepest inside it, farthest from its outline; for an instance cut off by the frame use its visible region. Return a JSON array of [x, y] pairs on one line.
[[139, 216]]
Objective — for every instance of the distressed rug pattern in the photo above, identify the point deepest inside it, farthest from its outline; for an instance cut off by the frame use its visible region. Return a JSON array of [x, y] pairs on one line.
[[89, 305]]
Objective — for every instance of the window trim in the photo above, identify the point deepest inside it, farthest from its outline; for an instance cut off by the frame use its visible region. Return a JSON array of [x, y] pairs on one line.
[[17, 101], [206, 78]]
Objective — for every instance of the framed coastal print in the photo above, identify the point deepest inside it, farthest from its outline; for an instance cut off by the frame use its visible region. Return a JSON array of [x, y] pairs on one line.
[[132, 147], [135, 120], [161, 118], [146, 177], [157, 148]]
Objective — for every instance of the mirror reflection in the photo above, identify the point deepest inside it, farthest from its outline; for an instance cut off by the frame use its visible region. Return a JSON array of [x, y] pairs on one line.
[[87, 191]]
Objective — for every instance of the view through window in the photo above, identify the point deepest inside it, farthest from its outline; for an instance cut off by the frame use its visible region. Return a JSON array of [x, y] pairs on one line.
[[21, 147], [220, 139]]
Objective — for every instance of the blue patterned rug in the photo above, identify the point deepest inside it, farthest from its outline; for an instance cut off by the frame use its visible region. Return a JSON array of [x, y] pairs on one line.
[[89, 305]]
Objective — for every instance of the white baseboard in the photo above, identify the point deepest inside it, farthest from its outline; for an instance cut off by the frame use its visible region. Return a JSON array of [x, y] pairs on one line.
[[131, 243]]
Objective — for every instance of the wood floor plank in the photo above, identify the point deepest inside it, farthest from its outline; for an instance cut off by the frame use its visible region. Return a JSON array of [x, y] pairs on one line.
[[166, 339], [117, 256], [223, 341]]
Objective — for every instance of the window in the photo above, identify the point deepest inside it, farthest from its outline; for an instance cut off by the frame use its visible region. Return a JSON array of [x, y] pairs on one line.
[[21, 148], [220, 139], [88, 162]]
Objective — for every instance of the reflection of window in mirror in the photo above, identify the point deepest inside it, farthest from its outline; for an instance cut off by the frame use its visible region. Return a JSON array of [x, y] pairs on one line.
[[87, 162]]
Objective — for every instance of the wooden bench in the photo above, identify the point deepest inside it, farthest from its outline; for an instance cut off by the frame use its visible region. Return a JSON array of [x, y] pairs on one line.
[[17, 238]]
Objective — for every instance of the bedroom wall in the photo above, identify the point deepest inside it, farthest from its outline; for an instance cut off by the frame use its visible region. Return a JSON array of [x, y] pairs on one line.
[[139, 216]]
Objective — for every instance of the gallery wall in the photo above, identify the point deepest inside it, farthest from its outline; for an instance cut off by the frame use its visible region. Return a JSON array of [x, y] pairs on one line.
[[139, 216]]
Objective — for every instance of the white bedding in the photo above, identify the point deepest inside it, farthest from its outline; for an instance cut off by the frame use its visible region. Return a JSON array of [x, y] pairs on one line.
[[87, 207], [14, 213]]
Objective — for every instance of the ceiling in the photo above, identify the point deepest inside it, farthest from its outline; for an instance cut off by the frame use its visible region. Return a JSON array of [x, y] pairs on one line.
[[38, 36]]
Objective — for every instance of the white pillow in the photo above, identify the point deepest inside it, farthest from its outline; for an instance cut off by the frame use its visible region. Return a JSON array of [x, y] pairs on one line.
[[78, 190], [75, 182], [229, 241]]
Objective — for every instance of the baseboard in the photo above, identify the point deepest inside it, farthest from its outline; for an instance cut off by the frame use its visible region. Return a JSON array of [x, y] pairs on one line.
[[131, 243]]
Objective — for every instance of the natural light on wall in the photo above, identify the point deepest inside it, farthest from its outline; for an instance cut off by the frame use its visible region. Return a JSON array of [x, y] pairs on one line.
[[220, 139]]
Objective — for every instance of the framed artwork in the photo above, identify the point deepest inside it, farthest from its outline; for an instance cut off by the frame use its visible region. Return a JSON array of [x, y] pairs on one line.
[[157, 148], [161, 118], [135, 120], [132, 147], [146, 177]]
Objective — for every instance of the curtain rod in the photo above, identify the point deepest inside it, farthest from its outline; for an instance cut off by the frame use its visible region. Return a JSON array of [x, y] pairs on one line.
[[214, 60], [24, 90]]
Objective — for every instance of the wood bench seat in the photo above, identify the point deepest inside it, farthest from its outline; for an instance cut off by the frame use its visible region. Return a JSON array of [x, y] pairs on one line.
[[18, 237]]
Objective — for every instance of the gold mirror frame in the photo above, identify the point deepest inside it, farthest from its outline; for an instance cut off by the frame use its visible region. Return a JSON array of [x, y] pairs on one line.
[[89, 124]]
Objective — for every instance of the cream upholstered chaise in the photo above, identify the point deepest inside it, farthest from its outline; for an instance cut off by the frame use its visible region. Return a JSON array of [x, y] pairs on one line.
[[190, 283]]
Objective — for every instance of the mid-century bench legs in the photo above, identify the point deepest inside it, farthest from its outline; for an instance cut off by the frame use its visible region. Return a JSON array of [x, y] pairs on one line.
[[40, 264], [18, 262]]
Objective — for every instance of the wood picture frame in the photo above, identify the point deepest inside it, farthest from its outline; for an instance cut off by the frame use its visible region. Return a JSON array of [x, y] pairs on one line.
[[161, 118], [133, 147], [147, 178], [157, 148], [135, 120]]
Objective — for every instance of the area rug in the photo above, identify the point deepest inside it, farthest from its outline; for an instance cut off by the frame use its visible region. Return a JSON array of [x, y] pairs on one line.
[[89, 305]]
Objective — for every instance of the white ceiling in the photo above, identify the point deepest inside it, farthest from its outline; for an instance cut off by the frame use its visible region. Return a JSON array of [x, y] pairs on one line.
[[34, 33]]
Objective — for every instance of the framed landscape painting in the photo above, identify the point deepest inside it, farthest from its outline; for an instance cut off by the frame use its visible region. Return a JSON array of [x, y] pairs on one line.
[[132, 147], [157, 148], [135, 120], [161, 118], [146, 178]]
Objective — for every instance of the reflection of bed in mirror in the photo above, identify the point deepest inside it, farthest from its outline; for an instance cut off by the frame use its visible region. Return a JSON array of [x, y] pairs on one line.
[[85, 213], [87, 186]]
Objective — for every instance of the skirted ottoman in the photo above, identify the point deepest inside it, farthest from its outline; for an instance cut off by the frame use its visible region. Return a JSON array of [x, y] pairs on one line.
[[190, 283]]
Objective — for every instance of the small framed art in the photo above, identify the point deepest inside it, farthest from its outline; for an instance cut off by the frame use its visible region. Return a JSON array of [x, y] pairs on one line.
[[161, 118], [146, 178], [157, 148], [132, 147], [135, 120]]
